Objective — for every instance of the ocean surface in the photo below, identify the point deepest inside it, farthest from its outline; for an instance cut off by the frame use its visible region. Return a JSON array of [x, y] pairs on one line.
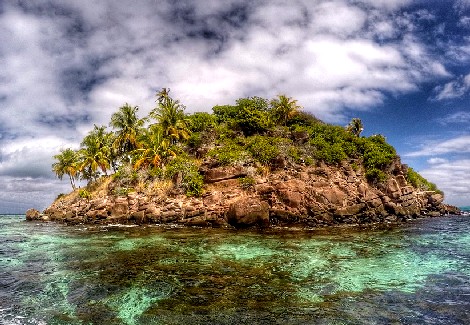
[[418, 273]]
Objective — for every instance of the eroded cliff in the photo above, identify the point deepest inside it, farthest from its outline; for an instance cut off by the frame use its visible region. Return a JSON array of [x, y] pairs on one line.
[[306, 196]]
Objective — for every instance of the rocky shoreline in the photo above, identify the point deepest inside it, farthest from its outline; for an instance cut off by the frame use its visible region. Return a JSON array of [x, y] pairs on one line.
[[306, 196]]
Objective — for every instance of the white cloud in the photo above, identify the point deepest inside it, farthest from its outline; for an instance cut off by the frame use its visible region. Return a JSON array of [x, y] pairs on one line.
[[386, 4], [435, 161], [452, 178], [461, 117], [454, 89], [457, 145]]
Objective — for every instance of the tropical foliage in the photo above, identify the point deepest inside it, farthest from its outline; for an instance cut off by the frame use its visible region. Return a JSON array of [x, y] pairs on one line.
[[67, 163], [266, 134]]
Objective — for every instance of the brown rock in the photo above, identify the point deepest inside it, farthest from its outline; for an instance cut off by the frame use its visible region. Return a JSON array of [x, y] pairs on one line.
[[222, 173], [248, 212], [138, 217], [401, 180], [119, 209], [99, 204], [291, 198], [392, 187], [33, 214], [197, 222], [264, 189], [334, 196], [351, 210]]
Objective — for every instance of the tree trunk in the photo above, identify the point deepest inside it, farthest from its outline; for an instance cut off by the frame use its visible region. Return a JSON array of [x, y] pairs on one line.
[[72, 183]]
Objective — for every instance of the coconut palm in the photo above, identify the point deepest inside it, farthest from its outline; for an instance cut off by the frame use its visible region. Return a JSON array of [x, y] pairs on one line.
[[170, 116], [128, 128], [283, 108], [355, 127], [154, 148], [67, 163], [95, 152]]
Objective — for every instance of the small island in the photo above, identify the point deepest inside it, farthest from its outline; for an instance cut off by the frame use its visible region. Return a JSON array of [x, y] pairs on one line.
[[258, 163]]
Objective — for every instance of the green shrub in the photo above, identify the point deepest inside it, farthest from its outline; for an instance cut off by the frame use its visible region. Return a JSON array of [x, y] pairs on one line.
[[247, 183], [194, 140], [299, 155], [126, 175], [332, 144], [251, 120], [84, 194], [375, 175], [61, 195], [156, 172], [230, 152], [201, 121], [327, 151], [303, 119], [419, 182], [263, 149], [122, 191], [378, 153], [192, 181], [224, 113]]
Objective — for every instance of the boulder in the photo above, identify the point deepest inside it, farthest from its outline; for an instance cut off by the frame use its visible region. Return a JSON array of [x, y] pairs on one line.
[[248, 213], [33, 214]]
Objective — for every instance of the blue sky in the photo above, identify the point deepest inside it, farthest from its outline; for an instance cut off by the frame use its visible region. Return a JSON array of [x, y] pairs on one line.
[[402, 66]]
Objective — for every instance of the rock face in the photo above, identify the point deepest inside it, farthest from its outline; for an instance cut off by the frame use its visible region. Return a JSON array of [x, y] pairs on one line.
[[310, 196]]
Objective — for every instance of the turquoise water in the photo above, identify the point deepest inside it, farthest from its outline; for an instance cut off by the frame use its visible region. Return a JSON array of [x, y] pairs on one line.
[[54, 274]]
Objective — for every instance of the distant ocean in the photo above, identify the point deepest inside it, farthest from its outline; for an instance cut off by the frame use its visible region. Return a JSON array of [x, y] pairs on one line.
[[418, 273]]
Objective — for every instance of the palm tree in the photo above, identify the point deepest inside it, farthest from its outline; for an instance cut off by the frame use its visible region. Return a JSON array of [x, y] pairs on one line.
[[355, 127], [283, 108], [67, 163], [95, 152], [170, 116], [154, 148], [128, 127]]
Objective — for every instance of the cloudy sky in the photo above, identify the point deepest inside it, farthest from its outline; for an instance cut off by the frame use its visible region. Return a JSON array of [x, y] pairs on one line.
[[402, 66]]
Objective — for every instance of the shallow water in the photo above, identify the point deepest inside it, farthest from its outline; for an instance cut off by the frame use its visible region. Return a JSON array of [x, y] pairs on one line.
[[418, 273]]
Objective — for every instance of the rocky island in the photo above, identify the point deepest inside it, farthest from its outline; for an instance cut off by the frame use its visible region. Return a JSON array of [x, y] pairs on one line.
[[257, 163]]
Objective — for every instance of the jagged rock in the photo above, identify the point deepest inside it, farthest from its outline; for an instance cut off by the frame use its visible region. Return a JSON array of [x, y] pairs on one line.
[[119, 209], [295, 196], [291, 198], [334, 196], [393, 188], [401, 181], [247, 213], [436, 198], [33, 214], [351, 210]]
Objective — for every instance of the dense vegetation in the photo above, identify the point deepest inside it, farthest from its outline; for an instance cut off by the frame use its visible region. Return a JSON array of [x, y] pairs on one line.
[[164, 149]]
